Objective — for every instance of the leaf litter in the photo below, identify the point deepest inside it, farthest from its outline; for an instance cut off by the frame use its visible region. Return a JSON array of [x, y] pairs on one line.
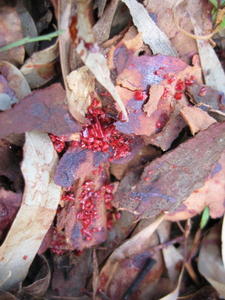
[[112, 145]]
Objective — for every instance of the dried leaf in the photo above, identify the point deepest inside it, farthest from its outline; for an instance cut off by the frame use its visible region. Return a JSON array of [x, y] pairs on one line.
[[43, 110], [40, 201], [212, 69], [40, 268], [16, 81], [125, 262], [10, 28], [39, 69], [196, 118], [210, 99], [210, 264], [223, 241], [28, 27], [7, 296], [97, 64], [81, 83], [166, 182], [152, 35], [103, 27], [184, 45]]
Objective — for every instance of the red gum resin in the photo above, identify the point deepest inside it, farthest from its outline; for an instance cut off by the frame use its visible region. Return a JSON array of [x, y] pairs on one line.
[[178, 95], [139, 95], [87, 214], [101, 134], [58, 142]]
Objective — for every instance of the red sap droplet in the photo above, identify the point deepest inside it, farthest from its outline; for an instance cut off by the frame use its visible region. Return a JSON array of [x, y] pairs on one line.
[[178, 95], [139, 95], [180, 85]]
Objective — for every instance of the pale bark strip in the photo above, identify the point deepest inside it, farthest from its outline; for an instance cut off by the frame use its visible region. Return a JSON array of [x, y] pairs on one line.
[[40, 201], [152, 35]]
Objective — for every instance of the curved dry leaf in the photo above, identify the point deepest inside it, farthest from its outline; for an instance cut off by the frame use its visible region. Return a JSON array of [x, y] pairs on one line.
[[10, 29], [152, 35], [39, 69], [40, 201], [171, 255], [16, 81], [42, 278], [7, 296], [210, 263], [103, 27], [136, 276], [196, 118], [212, 69], [28, 27], [97, 64], [223, 241], [81, 83], [136, 244]]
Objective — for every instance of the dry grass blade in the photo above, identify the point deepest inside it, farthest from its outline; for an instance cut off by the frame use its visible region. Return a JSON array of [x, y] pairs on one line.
[[40, 201], [175, 293], [152, 35]]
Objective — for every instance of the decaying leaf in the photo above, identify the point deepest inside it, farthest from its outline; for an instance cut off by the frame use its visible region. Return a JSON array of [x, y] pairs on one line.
[[212, 69], [43, 110], [210, 99], [15, 79], [152, 35], [10, 28], [210, 264], [124, 264], [166, 182], [40, 200], [40, 274], [103, 27], [196, 118], [97, 64], [81, 84], [39, 69]]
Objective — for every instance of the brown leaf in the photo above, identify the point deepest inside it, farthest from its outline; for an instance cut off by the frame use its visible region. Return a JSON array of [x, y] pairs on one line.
[[40, 200], [210, 264], [166, 182], [196, 118], [152, 35], [81, 83], [16, 81], [103, 27], [39, 69], [9, 205], [126, 261], [7, 296], [40, 270], [208, 97], [43, 110], [10, 28]]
